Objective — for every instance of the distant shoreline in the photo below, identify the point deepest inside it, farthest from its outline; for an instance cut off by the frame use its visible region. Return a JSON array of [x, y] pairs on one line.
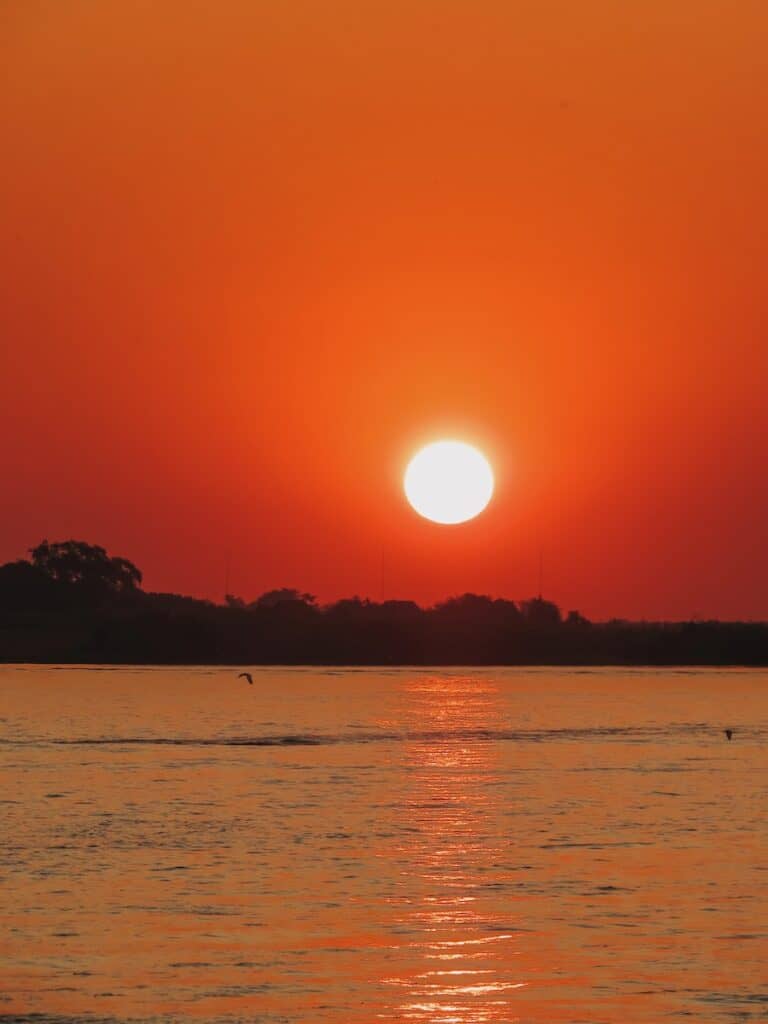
[[385, 666], [99, 665], [469, 631], [74, 604]]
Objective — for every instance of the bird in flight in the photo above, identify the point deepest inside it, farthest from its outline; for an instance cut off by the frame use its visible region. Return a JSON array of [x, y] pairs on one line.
[[246, 675]]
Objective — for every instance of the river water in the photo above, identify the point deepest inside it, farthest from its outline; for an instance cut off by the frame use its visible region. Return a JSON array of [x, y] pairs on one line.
[[355, 846]]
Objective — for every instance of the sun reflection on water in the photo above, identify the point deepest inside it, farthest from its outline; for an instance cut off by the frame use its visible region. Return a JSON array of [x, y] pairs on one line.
[[459, 964]]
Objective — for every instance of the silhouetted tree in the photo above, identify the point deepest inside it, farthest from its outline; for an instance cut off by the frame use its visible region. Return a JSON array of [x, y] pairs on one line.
[[350, 609], [86, 566], [272, 598], [540, 613], [464, 606], [477, 609], [399, 611], [576, 620]]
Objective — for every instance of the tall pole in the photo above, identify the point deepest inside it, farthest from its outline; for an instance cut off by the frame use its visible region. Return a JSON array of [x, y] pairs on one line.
[[541, 571]]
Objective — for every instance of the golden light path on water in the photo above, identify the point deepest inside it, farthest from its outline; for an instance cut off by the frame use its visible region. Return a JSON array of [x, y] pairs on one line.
[[468, 960]]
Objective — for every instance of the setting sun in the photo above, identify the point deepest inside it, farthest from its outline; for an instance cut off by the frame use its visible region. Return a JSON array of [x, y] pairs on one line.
[[448, 482]]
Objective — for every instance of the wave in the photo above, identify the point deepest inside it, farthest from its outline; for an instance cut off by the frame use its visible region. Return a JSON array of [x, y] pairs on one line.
[[632, 734]]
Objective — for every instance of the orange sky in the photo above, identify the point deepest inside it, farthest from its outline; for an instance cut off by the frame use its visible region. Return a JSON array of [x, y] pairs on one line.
[[253, 254]]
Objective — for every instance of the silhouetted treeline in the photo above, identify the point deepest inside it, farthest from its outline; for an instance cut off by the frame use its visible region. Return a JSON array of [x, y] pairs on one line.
[[72, 602]]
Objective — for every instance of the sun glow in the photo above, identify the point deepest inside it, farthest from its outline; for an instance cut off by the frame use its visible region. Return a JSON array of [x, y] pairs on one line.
[[448, 482]]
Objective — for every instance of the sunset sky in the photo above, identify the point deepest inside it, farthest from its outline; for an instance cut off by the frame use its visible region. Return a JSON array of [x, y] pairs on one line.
[[254, 254]]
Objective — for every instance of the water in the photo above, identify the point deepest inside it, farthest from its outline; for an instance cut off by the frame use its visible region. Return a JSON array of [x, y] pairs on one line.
[[357, 846]]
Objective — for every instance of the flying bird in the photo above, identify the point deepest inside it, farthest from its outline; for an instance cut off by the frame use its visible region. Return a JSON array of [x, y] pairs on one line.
[[729, 733], [249, 677]]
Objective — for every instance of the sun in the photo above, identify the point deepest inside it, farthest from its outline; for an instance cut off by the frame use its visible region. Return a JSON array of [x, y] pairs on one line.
[[448, 482]]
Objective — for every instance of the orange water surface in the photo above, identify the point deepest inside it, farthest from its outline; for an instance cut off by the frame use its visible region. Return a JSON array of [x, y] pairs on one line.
[[446, 846]]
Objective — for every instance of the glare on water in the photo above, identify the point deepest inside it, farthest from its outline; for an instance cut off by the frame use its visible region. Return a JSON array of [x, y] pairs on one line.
[[352, 846]]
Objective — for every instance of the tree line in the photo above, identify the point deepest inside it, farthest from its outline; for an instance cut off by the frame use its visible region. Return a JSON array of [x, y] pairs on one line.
[[72, 602]]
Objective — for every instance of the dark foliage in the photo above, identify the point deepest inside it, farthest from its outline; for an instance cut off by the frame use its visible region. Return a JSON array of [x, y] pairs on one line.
[[85, 567], [74, 603]]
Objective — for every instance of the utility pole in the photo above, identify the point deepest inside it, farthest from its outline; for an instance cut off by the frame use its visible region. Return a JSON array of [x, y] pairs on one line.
[[541, 571], [226, 572]]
